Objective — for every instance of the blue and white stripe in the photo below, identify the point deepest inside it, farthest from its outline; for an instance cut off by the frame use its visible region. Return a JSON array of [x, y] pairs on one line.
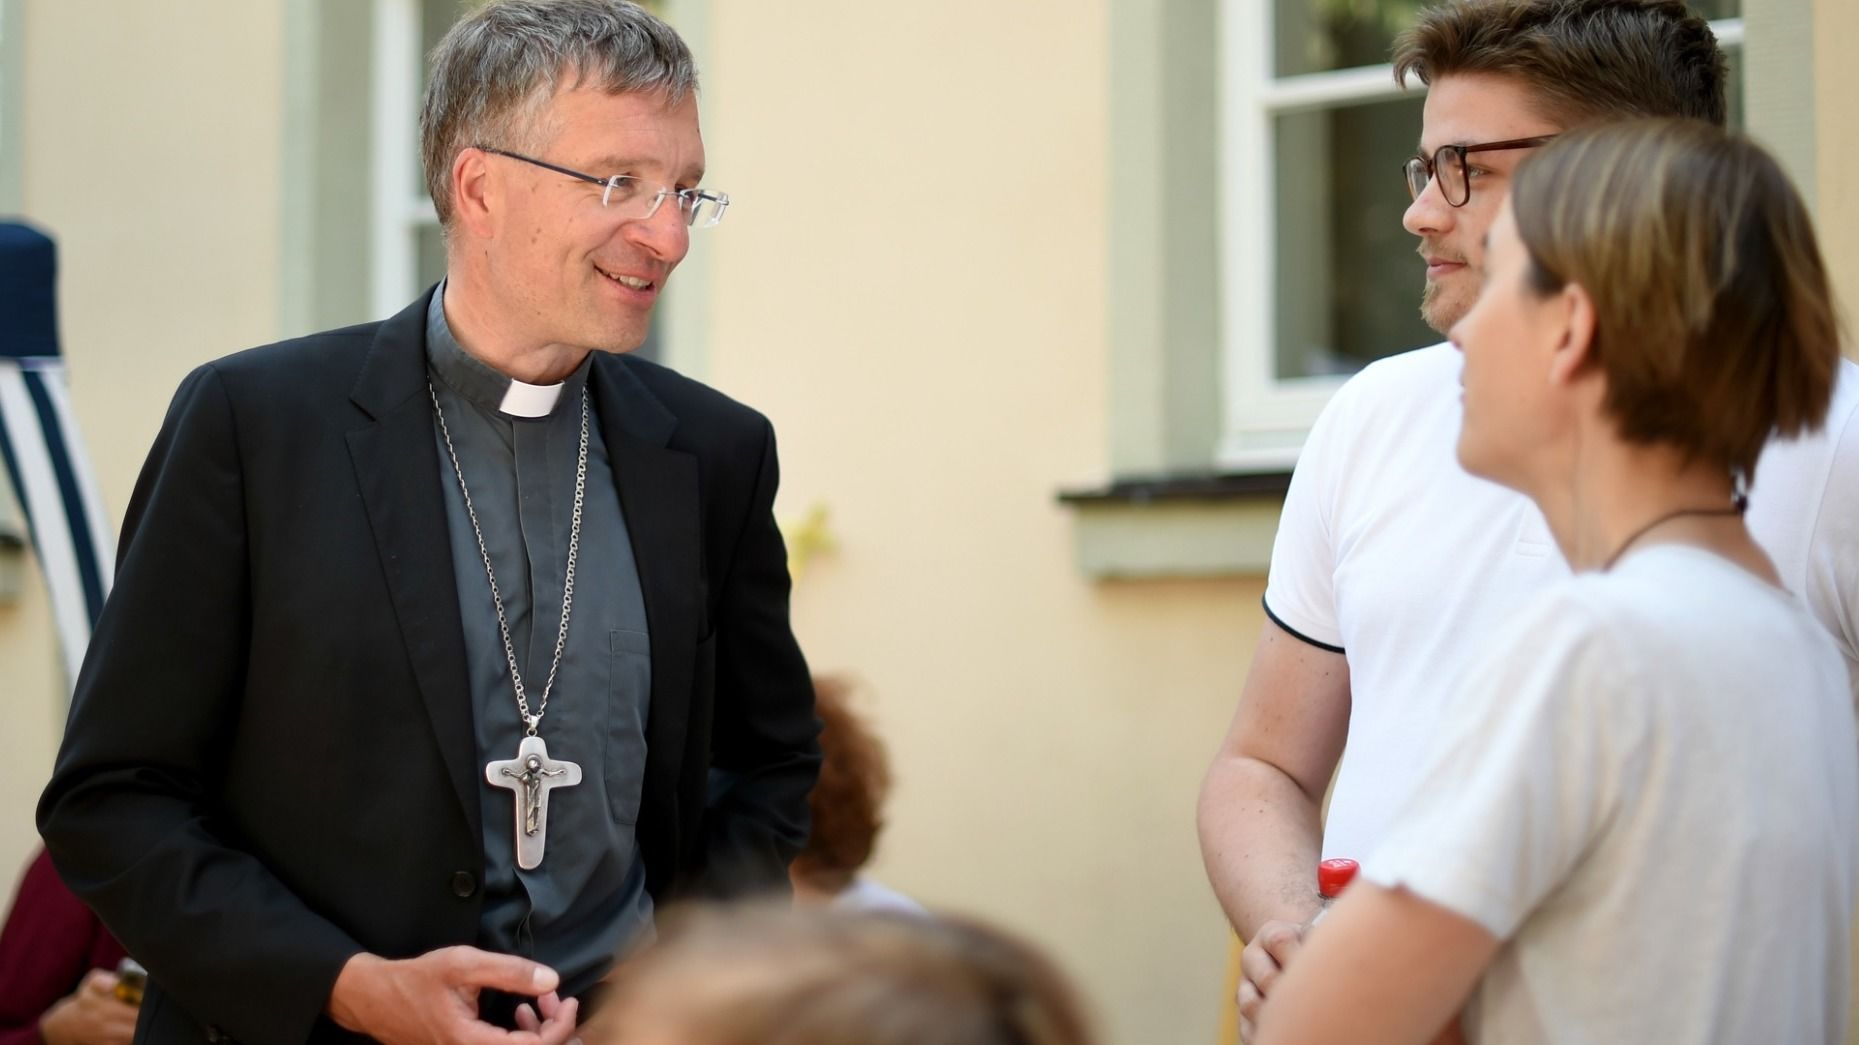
[[54, 484]]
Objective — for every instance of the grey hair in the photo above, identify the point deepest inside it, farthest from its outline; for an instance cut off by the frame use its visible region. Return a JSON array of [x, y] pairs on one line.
[[496, 69]]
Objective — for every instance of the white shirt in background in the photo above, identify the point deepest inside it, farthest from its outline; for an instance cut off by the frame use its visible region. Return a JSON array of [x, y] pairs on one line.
[[1390, 552]]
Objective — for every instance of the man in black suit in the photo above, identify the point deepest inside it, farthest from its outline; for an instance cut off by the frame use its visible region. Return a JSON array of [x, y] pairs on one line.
[[442, 648]]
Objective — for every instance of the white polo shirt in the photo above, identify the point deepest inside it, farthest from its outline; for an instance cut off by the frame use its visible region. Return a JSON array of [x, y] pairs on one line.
[[1388, 551]]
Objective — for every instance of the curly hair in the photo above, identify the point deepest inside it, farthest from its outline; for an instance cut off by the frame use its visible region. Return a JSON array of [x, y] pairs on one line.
[[855, 778]]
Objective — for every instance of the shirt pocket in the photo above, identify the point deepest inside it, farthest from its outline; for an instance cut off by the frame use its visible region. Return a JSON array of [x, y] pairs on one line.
[[629, 694]]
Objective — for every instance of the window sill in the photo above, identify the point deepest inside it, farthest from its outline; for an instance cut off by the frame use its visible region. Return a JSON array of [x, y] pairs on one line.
[[1212, 525]]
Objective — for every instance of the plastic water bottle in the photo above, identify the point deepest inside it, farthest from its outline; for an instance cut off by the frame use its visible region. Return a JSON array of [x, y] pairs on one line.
[[1333, 876]]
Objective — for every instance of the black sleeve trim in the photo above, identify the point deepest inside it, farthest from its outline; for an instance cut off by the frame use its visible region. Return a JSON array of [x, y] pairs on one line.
[[1294, 633]]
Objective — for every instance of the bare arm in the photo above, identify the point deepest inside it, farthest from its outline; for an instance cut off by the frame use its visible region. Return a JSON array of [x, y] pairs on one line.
[[1387, 967], [1258, 815]]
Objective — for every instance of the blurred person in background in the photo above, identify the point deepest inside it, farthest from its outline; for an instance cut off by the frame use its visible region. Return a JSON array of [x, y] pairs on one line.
[[824, 976], [58, 968], [847, 806], [1644, 826], [1393, 568]]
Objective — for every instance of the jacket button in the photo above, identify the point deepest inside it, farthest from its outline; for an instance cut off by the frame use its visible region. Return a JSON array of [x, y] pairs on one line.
[[214, 1034], [463, 885]]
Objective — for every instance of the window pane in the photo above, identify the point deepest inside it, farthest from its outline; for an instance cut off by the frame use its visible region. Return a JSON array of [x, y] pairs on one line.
[[1347, 278], [1311, 36]]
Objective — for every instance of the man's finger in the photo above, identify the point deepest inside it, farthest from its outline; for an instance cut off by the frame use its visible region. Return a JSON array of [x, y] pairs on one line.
[[1282, 943], [99, 981], [1245, 1029], [1259, 968], [1249, 1002], [477, 1032], [559, 1030], [470, 967], [549, 1004], [526, 1018]]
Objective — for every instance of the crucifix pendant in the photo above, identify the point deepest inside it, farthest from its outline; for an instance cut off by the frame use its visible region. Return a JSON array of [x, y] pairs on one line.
[[530, 776]]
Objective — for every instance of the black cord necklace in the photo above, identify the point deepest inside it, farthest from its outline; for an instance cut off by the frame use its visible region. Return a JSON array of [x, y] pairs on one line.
[[1738, 504]]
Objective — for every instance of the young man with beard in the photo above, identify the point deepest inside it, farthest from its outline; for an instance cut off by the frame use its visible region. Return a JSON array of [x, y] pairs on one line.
[[1393, 567]]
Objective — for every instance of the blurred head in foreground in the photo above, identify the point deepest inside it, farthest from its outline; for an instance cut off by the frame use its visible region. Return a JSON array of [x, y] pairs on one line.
[[774, 976]]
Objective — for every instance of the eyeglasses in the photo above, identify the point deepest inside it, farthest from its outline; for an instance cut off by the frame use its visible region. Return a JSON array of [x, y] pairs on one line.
[[627, 194], [1448, 165]]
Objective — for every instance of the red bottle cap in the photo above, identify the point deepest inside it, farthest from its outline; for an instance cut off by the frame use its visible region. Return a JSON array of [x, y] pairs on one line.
[[1333, 874]]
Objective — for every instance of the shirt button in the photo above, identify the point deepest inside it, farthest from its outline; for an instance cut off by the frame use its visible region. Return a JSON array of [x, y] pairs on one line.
[[214, 1034], [463, 885]]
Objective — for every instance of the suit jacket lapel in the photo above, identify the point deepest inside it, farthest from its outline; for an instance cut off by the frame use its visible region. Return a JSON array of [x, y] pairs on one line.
[[397, 469], [659, 493]]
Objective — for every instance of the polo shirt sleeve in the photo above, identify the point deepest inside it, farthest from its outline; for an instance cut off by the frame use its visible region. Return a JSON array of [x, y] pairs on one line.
[[1300, 592]]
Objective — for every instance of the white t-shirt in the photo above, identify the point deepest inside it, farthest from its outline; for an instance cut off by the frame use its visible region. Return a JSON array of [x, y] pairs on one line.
[[1673, 739], [869, 894], [1390, 552]]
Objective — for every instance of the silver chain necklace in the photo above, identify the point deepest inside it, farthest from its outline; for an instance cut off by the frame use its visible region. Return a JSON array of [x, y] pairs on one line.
[[532, 774]]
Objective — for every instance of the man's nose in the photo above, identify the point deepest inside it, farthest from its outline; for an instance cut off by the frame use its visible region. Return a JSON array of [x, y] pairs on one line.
[[665, 235], [1429, 212]]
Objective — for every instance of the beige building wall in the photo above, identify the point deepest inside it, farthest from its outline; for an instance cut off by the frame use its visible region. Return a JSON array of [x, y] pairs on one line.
[[1836, 141], [150, 150], [914, 287]]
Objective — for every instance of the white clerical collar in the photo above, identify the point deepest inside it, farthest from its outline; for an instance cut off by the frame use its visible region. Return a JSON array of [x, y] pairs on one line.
[[484, 385], [526, 400]]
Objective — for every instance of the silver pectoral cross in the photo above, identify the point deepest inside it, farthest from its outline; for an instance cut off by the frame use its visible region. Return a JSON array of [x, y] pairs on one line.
[[530, 776]]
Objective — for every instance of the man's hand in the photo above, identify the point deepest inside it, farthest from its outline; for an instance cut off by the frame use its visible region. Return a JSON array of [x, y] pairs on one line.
[[90, 1015], [557, 1021], [433, 999], [1266, 955]]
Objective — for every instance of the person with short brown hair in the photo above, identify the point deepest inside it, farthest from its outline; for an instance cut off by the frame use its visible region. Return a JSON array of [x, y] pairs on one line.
[[1667, 733], [1392, 568], [815, 976]]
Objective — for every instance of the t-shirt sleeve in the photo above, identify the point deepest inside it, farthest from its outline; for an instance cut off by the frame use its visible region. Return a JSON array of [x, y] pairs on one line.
[[1300, 592], [1524, 782], [1831, 591]]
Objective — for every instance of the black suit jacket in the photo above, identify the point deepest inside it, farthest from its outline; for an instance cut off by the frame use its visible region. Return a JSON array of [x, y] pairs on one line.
[[270, 761]]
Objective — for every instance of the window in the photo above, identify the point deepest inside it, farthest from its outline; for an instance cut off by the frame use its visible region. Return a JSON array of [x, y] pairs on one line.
[[409, 251], [1318, 276]]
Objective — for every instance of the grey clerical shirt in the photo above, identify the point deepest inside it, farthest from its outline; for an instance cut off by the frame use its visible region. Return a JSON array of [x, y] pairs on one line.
[[587, 899]]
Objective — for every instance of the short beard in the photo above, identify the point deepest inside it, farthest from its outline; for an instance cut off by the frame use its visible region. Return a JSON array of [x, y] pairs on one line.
[[1438, 314]]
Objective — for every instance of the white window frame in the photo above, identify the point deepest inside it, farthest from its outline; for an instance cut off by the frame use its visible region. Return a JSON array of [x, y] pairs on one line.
[[400, 210], [1266, 418]]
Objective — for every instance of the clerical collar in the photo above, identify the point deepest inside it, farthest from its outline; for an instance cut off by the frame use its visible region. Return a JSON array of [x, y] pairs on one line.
[[485, 386]]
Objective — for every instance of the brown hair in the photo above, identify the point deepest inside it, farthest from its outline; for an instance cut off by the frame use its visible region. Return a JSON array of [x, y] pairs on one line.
[[855, 778], [1584, 60], [825, 976], [1714, 321]]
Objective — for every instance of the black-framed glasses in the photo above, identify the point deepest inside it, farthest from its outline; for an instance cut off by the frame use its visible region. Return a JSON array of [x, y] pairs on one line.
[[1449, 166], [627, 194]]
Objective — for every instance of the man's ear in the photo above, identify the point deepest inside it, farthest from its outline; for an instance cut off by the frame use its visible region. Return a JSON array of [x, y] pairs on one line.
[[474, 197], [1574, 351]]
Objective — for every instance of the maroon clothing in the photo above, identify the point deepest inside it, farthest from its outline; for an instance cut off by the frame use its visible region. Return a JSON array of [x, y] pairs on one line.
[[49, 942]]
